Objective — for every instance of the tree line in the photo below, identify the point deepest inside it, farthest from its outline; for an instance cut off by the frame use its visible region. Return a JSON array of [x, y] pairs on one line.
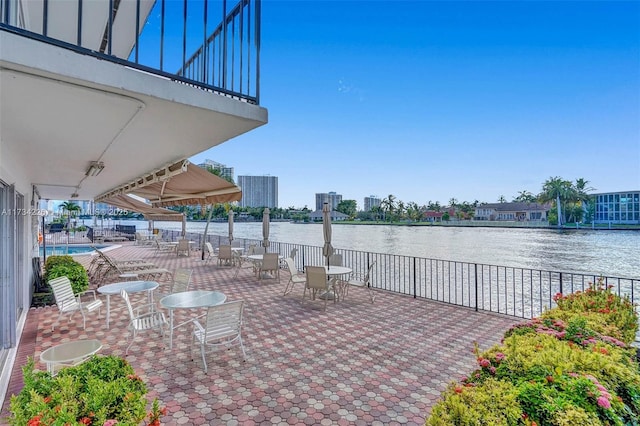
[[569, 201]]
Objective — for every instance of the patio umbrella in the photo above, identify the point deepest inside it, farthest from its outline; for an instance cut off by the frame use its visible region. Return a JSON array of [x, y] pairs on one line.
[[265, 227], [230, 226], [327, 249]]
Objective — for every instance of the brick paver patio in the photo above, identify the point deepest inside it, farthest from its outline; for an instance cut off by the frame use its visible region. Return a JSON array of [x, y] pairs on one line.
[[357, 363]]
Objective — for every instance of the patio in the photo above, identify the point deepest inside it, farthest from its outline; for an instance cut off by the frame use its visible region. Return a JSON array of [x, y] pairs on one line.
[[356, 363]]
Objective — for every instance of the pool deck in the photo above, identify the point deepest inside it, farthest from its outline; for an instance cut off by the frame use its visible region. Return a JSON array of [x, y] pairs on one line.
[[355, 364]]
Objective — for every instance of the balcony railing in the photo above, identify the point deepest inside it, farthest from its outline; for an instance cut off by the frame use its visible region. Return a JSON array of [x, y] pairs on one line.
[[519, 292], [210, 44]]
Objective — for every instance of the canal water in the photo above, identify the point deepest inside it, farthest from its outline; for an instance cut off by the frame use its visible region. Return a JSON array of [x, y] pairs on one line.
[[602, 252]]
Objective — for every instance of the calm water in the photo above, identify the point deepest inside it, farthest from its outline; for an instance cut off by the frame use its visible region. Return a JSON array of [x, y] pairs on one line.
[[611, 253], [70, 249]]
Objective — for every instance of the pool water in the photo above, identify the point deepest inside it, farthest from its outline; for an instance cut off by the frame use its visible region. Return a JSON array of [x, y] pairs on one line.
[[75, 249]]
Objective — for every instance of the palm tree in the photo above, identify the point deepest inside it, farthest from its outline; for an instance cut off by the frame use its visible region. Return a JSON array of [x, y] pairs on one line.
[[69, 207], [434, 206], [525, 197], [388, 205], [558, 189], [579, 199]]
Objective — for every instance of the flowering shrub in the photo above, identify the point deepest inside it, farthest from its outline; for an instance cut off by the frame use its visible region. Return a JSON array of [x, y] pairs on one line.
[[102, 391], [564, 368], [609, 308]]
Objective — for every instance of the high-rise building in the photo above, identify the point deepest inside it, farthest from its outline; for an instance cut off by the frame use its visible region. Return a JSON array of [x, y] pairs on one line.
[[225, 172], [328, 197], [371, 201], [258, 191]]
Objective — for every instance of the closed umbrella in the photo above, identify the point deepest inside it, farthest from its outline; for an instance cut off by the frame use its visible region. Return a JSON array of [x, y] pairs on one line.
[[230, 226], [265, 228], [327, 249]]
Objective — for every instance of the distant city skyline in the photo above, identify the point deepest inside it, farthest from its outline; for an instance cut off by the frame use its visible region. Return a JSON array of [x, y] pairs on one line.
[[430, 101]]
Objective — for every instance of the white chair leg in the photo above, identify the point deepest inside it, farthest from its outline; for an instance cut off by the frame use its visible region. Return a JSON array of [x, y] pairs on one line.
[[204, 361]]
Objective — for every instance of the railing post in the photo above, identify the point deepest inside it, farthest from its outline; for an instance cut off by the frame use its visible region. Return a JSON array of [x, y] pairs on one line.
[[561, 292], [224, 44], [415, 290], [476, 280]]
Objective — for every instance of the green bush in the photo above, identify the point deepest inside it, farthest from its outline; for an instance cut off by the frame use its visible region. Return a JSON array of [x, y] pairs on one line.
[[571, 366], [613, 310], [58, 266], [492, 402], [103, 390]]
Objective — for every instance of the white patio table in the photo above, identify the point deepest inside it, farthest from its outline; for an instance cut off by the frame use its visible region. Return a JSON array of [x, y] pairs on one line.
[[334, 271], [130, 287], [189, 300], [69, 354]]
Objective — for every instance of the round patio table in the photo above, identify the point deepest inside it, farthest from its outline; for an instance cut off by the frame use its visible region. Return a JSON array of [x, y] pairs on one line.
[[189, 300], [130, 287], [334, 270], [69, 354]]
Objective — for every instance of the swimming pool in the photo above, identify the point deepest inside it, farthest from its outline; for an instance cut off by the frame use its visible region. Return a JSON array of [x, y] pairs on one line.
[[74, 249]]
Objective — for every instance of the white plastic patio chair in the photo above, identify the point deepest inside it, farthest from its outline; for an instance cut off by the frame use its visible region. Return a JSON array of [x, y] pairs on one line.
[[183, 247], [270, 264], [142, 318], [209, 252], [360, 281], [225, 256], [69, 303], [180, 282], [222, 328], [335, 259], [243, 261], [292, 255], [317, 282], [295, 276]]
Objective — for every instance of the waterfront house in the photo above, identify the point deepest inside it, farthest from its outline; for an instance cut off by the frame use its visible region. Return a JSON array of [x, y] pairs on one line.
[[617, 207], [316, 216], [101, 94], [512, 212]]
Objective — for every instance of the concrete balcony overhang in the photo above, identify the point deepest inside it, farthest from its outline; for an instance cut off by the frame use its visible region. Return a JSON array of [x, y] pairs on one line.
[[61, 110]]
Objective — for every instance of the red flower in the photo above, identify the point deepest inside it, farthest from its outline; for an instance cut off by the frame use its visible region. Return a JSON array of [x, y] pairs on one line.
[[35, 421]]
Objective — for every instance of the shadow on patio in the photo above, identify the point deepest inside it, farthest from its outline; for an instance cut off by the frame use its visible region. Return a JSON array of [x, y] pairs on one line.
[[357, 363]]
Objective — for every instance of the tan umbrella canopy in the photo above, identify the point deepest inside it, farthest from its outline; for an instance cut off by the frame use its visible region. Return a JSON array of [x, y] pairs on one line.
[[230, 226], [149, 212], [265, 227], [196, 186], [327, 249], [180, 184]]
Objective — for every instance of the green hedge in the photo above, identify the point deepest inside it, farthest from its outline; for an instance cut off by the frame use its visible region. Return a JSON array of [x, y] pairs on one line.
[[58, 266], [102, 391], [572, 366]]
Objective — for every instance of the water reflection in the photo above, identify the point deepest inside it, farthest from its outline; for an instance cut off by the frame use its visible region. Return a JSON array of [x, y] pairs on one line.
[[612, 253]]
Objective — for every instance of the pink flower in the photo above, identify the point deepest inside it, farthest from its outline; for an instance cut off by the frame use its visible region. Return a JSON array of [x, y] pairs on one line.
[[484, 362], [604, 402], [492, 370], [500, 356]]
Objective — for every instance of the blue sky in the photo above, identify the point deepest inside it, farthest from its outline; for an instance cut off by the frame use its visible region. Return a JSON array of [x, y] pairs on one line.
[[430, 100]]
